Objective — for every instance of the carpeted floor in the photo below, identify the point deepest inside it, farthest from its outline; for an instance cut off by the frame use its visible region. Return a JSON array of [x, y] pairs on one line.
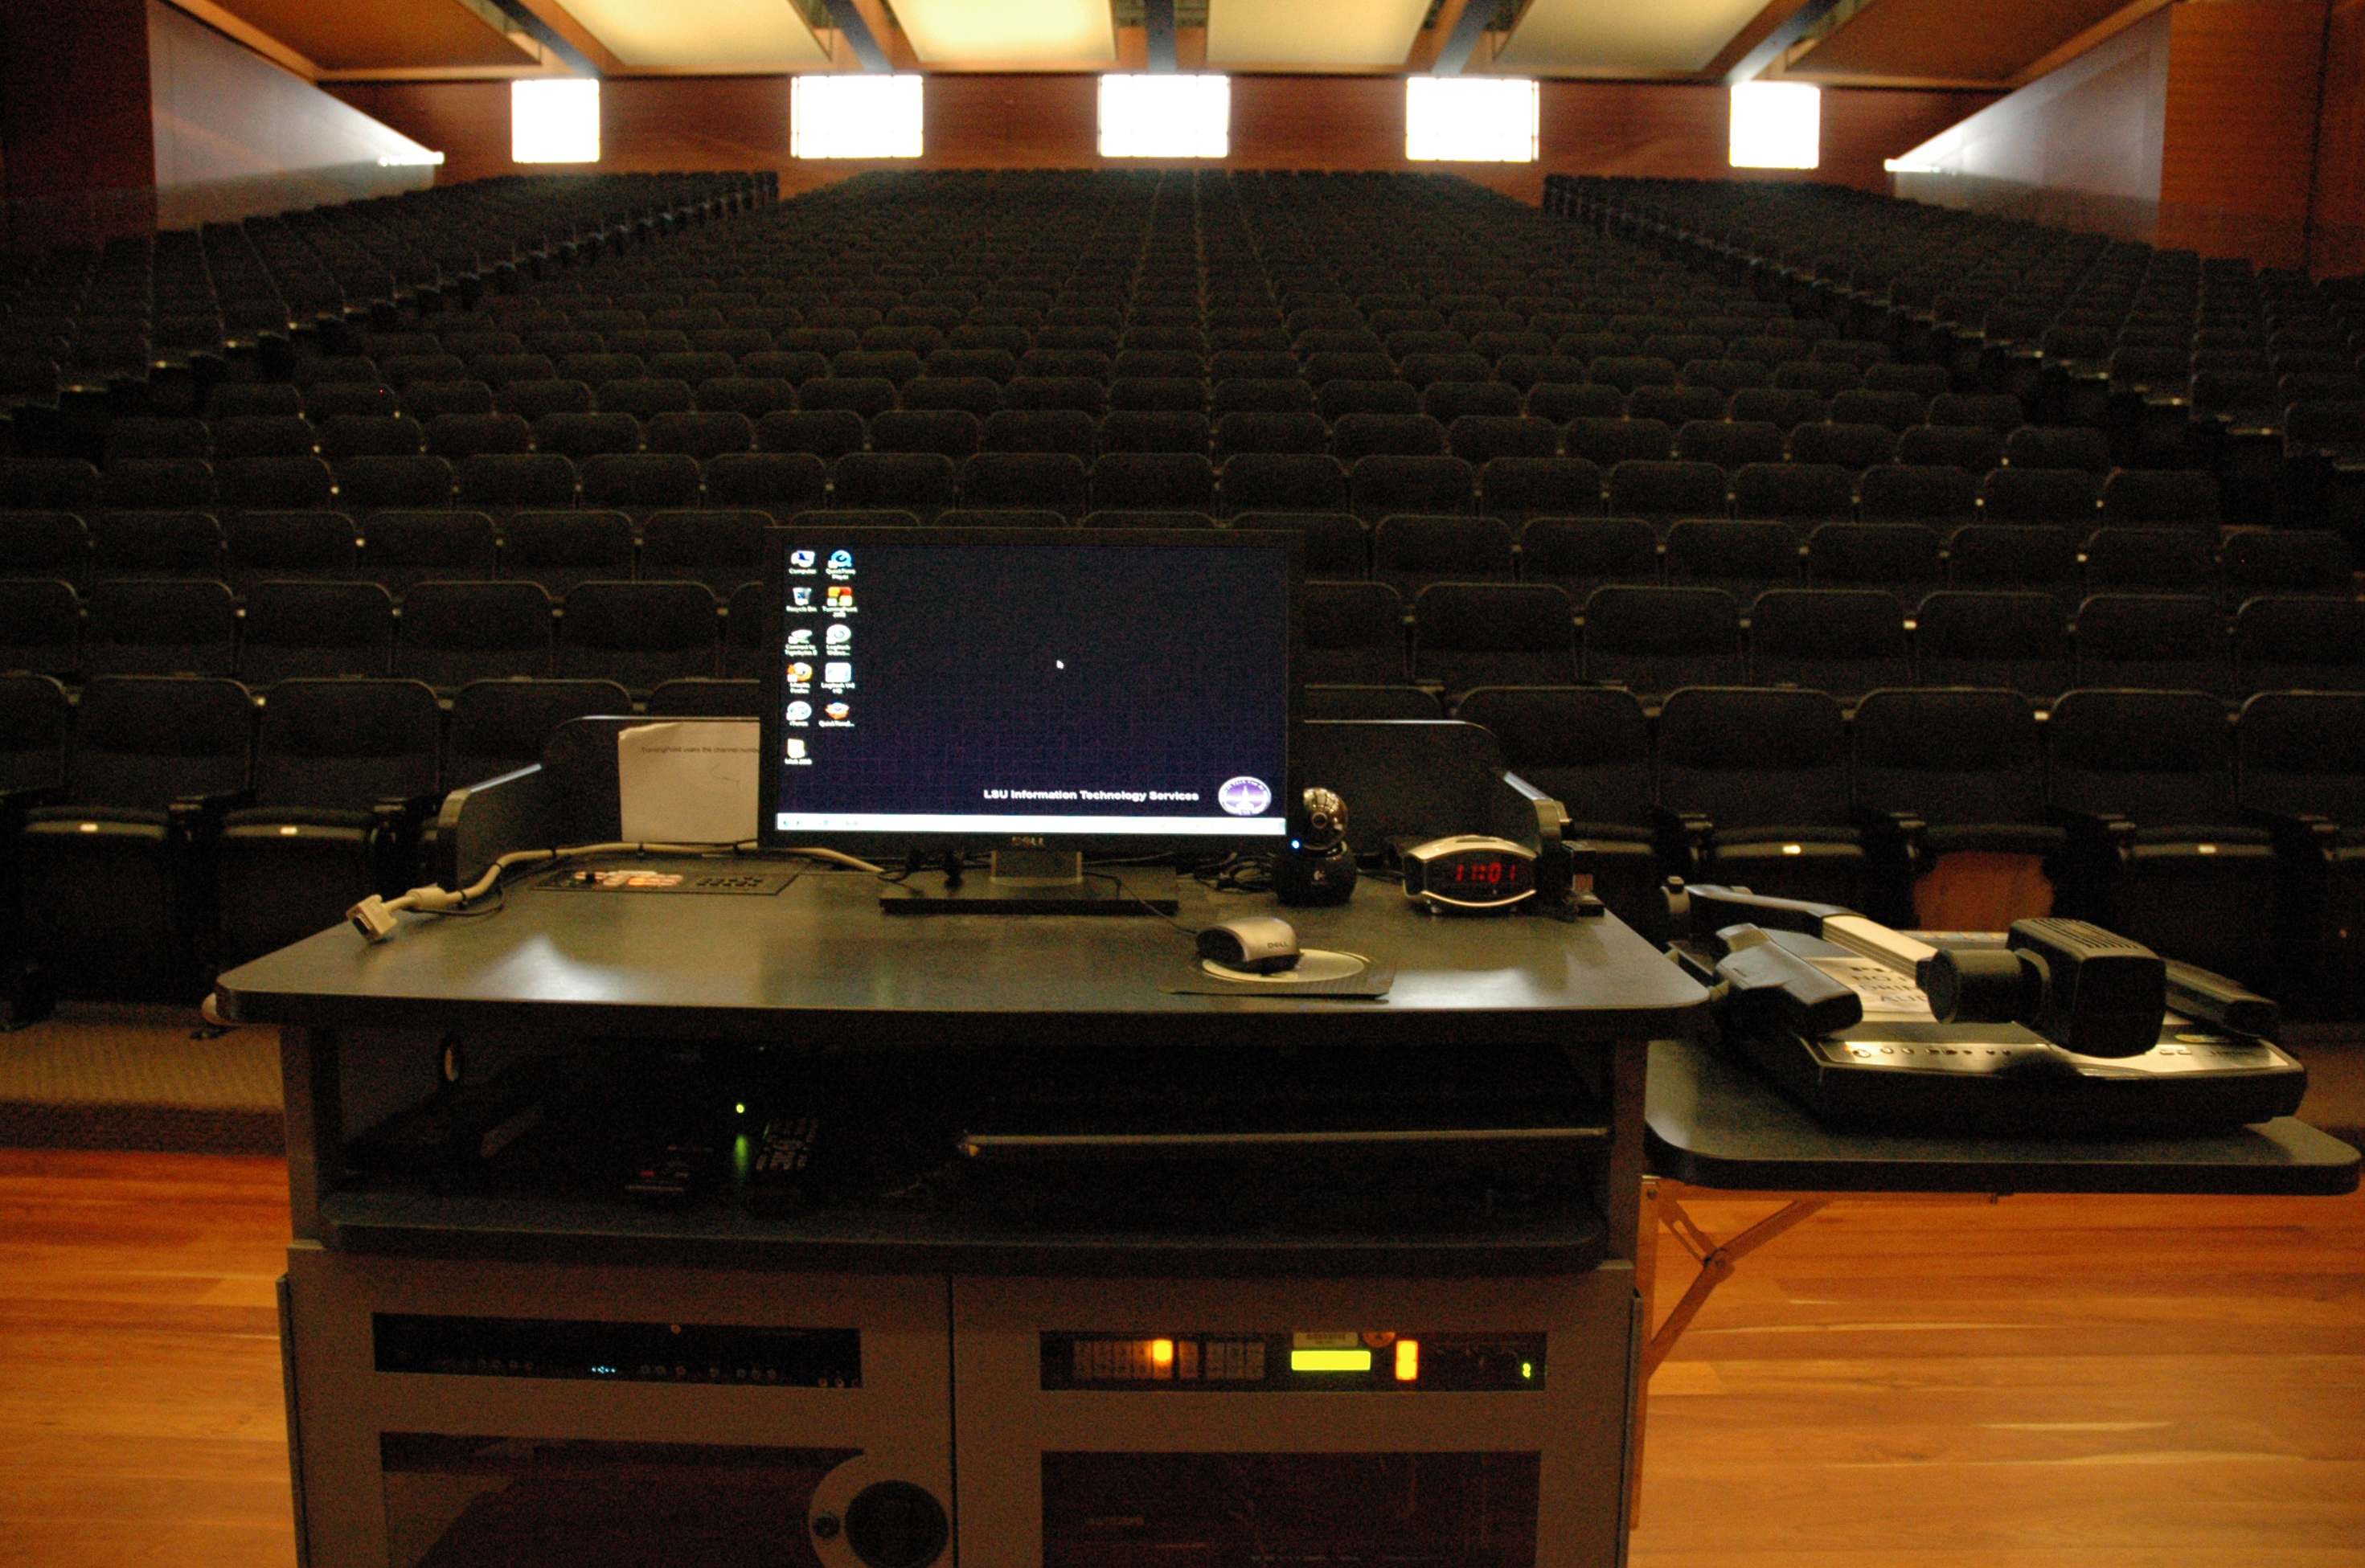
[[117, 1075]]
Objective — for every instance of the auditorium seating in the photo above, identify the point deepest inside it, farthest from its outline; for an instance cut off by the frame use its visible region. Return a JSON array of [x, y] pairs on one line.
[[1789, 439], [343, 771]]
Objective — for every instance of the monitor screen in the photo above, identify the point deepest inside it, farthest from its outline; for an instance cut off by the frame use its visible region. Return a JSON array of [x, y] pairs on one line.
[[976, 688]]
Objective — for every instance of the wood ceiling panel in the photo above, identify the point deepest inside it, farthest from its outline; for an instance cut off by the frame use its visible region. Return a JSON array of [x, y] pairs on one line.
[[1967, 41], [360, 35], [1660, 37], [1312, 32], [740, 34], [1009, 32]]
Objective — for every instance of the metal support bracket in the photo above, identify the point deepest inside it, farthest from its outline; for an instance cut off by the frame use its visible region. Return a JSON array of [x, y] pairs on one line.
[[1717, 1260]]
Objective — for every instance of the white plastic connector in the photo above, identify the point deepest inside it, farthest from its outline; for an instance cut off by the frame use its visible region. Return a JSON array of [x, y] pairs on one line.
[[372, 919]]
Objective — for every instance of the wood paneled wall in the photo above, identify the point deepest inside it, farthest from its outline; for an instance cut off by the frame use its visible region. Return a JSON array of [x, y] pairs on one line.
[[2337, 218], [2224, 126], [1278, 122], [2242, 98], [236, 135], [80, 148], [2092, 128]]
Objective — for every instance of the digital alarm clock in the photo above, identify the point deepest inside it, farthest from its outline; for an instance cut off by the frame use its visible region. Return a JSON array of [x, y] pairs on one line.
[[1469, 871]]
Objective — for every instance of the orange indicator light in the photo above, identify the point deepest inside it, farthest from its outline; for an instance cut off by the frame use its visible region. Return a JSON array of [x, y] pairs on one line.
[[1408, 1361], [1162, 1358]]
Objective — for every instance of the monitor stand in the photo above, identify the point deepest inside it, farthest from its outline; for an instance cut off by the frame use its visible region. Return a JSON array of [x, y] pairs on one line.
[[1037, 881]]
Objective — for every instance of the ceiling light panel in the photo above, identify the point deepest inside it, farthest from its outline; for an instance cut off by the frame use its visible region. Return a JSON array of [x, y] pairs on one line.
[[1777, 125], [1470, 120], [1619, 35], [1009, 32], [739, 34], [554, 121], [1312, 32], [1180, 116], [856, 115]]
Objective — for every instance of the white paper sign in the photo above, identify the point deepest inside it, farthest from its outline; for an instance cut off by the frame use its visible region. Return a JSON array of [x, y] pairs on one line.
[[692, 781]]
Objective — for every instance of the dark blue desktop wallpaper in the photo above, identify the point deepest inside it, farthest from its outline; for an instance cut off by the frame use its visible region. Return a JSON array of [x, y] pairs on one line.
[[1034, 679]]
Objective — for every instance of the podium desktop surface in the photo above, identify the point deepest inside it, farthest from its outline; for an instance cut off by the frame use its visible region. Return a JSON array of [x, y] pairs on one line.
[[821, 950]]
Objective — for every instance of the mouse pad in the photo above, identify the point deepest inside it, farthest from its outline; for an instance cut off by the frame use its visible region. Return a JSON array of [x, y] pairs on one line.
[[1318, 973]]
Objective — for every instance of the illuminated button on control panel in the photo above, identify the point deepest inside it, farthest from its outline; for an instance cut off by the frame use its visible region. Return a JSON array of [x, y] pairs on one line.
[[1324, 1360]]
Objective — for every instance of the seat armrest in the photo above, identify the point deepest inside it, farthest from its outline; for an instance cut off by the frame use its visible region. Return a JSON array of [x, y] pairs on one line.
[[1895, 833], [401, 813], [1552, 817], [14, 803], [1682, 835], [1564, 868], [2103, 827], [200, 816], [397, 831], [2300, 834]]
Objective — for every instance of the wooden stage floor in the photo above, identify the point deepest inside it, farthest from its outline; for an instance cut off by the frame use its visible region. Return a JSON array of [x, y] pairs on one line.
[[2070, 1383]]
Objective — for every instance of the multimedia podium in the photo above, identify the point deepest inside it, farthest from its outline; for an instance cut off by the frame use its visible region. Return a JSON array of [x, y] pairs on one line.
[[1375, 1293]]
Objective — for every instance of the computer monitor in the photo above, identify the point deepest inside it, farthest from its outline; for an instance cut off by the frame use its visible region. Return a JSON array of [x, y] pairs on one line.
[[1029, 693]]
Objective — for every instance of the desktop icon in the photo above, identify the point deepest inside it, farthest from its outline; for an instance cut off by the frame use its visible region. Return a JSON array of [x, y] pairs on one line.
[[799, 713], [802, 638], [800, 674], [804, 598], [838, 637], [837, 674], [801, 559], [838, 711], [796, 748], [840, 596], [840, 561]]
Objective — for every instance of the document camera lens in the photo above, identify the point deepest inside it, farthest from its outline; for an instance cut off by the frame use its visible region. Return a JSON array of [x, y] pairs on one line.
[[2088, 991]]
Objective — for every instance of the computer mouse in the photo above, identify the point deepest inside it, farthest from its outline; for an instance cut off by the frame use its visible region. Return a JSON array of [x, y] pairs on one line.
[[1260, 944]]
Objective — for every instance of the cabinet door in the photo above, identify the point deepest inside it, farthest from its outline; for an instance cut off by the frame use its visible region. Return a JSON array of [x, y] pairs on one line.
[[450, 1413], [1432, 1421]]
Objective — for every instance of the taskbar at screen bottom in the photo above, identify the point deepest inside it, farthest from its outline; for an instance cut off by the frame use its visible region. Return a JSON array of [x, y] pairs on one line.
[[930, 821]]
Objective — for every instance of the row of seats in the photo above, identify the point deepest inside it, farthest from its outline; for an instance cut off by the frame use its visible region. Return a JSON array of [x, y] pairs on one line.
[[1238, 306], [159, 824], [2181, 362], [722, 547], [1843, 641], [1457, 636], [1479, 426], [1002, 353], [257, 420], [2154, 813], [142, 312], [156, 827], [1903, 558], [1475, 434], [638, 634], [756, 394], [1372, 486]]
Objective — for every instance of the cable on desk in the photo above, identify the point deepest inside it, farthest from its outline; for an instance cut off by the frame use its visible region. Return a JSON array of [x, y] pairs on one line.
[[373, 917], [1126, 888]]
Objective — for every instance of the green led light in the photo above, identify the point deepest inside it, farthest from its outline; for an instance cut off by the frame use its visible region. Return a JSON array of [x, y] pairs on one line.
[[1527, 1369], [741, 1108], [1329, 1361]]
